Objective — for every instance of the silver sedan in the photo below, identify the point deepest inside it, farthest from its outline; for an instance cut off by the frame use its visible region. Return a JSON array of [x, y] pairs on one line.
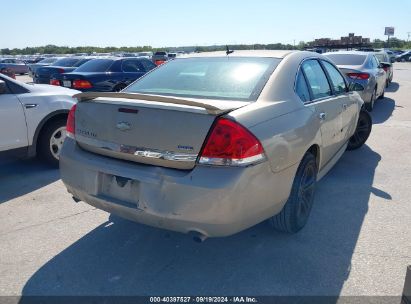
[[363, 68], [214, 143]]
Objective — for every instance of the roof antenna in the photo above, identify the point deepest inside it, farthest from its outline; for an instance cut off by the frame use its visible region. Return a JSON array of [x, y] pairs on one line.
[[228, 52]]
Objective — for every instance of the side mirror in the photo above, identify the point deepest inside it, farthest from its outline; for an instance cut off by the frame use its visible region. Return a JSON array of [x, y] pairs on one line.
[[355, 87], [3, 88]]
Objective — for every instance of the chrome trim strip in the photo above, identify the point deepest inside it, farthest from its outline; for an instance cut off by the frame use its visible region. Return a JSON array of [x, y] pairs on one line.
[[232, 162], [137, 151]]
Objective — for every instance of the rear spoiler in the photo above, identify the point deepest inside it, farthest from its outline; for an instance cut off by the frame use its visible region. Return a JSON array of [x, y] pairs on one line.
[[156, 98]]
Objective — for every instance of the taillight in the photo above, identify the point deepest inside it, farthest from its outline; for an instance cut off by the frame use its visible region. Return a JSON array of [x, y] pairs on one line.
[[159, 62], [385, 69], [81, 84], [71, 122], [361, 76], [231, 144], [55, 82], [60, 70]]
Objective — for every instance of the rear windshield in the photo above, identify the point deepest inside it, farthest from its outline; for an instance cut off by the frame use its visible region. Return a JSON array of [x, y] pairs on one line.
[[229, 78], [96, 65], [347, 59], [66, 62], [81, 62], [48, 60]]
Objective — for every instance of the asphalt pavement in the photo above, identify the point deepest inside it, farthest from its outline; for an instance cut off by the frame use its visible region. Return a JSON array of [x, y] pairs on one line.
[[357, 241]]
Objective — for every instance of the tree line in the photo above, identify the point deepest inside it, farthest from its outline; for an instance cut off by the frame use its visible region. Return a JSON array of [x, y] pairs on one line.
[[54, 49]]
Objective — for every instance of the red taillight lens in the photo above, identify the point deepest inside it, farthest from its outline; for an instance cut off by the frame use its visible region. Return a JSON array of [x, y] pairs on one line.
[[81, 84], [231, 144], [362, 76], [61, 71], [385, 69], [55, 82], [71, 122], [159, 62]]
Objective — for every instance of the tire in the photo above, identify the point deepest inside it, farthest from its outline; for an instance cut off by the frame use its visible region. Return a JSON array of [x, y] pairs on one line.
[[370, 105], [119, 87], [362, 131], [51, 140], [297, 209]]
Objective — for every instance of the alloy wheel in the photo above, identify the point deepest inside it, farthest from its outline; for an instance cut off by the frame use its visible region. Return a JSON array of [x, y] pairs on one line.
[[56, 141]]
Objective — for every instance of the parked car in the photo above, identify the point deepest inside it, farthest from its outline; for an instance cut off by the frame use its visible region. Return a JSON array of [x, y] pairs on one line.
[[45, 74], [397, 52], [15, 65], [105, 74], [383, 57], [33, 118], [365, 69], [213, 144], [45, 62], [6, 71], [171, 55], [147, 55], [159, 57], [406, 56]]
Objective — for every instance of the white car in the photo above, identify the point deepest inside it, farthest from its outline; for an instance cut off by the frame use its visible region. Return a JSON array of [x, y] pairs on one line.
[[33, 118]]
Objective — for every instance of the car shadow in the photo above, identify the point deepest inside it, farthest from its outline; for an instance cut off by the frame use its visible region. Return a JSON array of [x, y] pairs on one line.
[[383, 110], [393, 87], [124, 258], [19, 177]]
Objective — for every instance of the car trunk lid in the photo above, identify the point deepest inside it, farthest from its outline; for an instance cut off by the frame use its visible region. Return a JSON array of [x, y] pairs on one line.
[[149, 129]]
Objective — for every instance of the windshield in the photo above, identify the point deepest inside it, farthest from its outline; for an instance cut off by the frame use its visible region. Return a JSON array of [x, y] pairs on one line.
[[230, 78], [66, 62], [347, 59], [95, 65], [381, 57], [81, 62]]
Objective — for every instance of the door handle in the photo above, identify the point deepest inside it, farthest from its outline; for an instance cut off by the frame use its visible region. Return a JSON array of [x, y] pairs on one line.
[[345, 106], [30, 105], [322, 115]]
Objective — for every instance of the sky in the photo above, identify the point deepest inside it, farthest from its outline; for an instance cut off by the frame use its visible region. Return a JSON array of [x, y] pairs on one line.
[[195, 22]]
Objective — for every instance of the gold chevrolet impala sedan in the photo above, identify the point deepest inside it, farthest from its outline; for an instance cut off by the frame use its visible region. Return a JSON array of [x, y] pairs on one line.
[[214, 143]]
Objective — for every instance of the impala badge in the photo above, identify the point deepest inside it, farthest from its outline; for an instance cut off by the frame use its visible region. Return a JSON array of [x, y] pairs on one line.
[[123, 126]]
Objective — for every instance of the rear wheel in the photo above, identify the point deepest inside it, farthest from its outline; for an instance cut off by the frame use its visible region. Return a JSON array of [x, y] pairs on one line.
[[51, 141], [296, 211], [362, 131]]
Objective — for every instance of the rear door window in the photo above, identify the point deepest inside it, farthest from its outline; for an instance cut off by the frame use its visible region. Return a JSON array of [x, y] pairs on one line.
[[132, 66], [301, 88], [316, 78], [148, 65], [337, 80]]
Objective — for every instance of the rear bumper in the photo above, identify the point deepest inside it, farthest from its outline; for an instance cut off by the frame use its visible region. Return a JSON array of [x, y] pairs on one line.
[[212, 201]]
